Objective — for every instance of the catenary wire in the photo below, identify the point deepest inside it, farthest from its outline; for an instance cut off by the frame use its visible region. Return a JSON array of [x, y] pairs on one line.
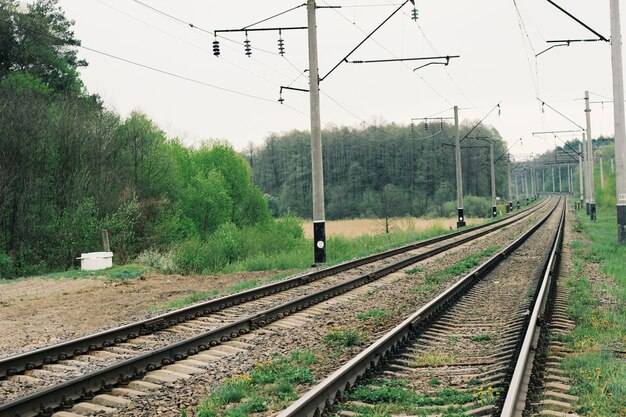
[[392, 54]]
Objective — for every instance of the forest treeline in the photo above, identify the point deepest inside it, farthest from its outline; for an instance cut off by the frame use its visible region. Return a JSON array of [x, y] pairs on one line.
[[379, 171], [69, 168]]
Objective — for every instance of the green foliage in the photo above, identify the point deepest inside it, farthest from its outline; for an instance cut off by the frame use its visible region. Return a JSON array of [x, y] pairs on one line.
[[415, 270], [156, 260], [24, 83], [229, 245], [271, 384], [342, 339], [402, 399], [461, 267], [599, 376], [368, 174], [378, 314], [7, 269], [117, 272], [482, 338], [39, 43]]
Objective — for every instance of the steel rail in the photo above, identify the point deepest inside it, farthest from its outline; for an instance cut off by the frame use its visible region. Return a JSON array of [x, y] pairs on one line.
[[515, 399], [321, 397], [19, 363], [62, 396]]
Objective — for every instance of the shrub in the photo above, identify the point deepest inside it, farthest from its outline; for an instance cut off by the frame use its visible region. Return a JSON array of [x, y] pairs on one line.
[[189, 257], [163, 261], [227, 239], [344, 338], [7, 269]]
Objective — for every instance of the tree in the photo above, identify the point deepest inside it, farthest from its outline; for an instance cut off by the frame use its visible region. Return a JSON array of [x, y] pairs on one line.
[[39, 43]]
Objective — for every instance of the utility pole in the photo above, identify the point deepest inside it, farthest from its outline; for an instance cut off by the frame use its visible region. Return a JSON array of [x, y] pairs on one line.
[[601, 175], [317, 167], [618, 116], [569, 179], [543, 179], [580, 175], [560, 183], [553, 188], [592, 201], [517, 188], [532, 183], [459, 175], [494, 212], [509, 176], [586, 174], [526, 186]]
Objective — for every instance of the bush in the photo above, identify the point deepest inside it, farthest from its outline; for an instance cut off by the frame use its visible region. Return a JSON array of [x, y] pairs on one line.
[[163, 261], [189, 257], [7, 269], [227, 239], [259, 247], [477, 206]]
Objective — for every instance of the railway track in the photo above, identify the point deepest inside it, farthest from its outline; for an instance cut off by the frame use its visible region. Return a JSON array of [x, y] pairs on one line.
[[170, 339], [470, 351]]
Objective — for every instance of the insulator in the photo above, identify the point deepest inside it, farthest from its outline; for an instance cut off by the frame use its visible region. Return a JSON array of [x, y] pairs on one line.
[[247, 47], [441, 124], [216, 47], [412, 127], [426, 125], [415, 14], [281, 46]]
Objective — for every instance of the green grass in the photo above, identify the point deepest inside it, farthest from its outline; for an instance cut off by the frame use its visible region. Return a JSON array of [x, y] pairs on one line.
[[392, 397], [464, 265], [482, 338], [600, 378], [375, 317], [271, 385], [339, 249], [414, 271], [341, 339], [129, 271], [434, 359], [375, 313]]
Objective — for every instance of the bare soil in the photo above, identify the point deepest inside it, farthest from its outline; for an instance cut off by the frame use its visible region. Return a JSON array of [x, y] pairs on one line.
[[360, 227], [38, 312]]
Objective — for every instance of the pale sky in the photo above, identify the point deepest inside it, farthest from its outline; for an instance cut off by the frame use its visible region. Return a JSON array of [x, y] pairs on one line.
[[497, 63]]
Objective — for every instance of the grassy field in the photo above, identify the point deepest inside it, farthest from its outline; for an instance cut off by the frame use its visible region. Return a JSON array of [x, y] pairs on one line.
[[598, 304], [360, 227]]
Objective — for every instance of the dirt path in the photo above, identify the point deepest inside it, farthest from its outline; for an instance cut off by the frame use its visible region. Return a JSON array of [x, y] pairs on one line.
[[28, 306]]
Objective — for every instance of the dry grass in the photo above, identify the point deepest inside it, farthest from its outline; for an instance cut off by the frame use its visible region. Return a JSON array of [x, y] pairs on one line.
[[360, 227]]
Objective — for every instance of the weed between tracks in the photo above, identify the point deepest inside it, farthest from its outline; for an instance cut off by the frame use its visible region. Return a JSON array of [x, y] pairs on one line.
[[342, 339], [271, 385], [598, 306], [459, 268], [387, 397]]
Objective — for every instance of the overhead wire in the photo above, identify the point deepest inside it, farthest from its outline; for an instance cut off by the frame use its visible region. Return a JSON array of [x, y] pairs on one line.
[[201, 29], [253, 73], [300, 72], [208, 31], [165, 72], [525, 35], [392, 54], [434, 49]]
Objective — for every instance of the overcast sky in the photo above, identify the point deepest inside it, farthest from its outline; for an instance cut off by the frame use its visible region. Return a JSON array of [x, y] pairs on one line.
[[497, 63]]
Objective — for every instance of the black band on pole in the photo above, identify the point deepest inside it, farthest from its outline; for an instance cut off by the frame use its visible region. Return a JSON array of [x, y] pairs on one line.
[[621, 224], [319, 240], [461, 219]]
